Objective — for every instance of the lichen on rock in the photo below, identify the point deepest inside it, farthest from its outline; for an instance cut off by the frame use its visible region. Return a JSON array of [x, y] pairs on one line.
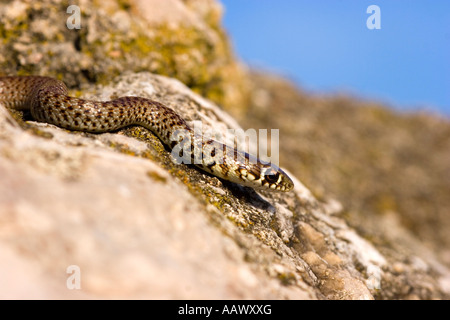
[[188, 43]]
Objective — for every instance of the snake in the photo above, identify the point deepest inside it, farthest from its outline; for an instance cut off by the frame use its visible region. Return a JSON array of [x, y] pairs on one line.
[[48, 101]]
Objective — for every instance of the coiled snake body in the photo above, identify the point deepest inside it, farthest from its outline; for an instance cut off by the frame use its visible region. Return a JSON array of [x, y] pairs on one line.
[[48, 101]]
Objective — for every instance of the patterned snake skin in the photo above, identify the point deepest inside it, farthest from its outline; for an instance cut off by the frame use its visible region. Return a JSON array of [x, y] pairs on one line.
[[48, 101]]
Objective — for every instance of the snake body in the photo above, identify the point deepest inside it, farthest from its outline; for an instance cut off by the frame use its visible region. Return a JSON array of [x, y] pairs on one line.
[[48, 101]]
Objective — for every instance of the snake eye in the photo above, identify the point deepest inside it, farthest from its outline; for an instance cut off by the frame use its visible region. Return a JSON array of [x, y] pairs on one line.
[[272, 178]]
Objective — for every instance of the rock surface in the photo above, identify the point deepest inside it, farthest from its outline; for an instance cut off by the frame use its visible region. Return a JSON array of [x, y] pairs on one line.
[[116, 208], [390, 170], [139, 226], [180, 39], [142, 228]]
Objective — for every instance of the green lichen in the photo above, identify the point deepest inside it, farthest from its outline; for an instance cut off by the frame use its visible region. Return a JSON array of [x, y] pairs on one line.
[[156, 176], [122, 148], [124, 4], [287, 278], [204, 63], [40, 133]]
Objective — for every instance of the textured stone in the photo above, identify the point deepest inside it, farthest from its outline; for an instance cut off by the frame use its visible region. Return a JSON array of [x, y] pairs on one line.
[[181, 39], [141, 226]]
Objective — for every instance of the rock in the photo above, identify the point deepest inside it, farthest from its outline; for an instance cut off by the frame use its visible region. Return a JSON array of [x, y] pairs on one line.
[[139, 226], [181, 39]]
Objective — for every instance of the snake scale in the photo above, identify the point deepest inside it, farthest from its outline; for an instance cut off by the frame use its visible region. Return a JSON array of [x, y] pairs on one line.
[[48, 101]]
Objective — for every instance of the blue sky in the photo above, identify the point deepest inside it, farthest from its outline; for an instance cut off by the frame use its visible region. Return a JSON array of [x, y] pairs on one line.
[[326, 47]]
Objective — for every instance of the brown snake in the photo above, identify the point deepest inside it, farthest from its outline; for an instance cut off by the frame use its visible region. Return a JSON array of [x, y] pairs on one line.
[[48, 101]]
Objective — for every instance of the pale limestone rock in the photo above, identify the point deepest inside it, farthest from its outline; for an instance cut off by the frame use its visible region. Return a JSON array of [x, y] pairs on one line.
[[135, 230]]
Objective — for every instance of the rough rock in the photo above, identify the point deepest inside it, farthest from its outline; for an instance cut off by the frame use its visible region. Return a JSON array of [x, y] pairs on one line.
[[180, 39], [139, 225], [389, 170]]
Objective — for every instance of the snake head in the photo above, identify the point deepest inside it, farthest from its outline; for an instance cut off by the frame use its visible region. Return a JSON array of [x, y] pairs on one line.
[[274, 178], [264, 176]]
